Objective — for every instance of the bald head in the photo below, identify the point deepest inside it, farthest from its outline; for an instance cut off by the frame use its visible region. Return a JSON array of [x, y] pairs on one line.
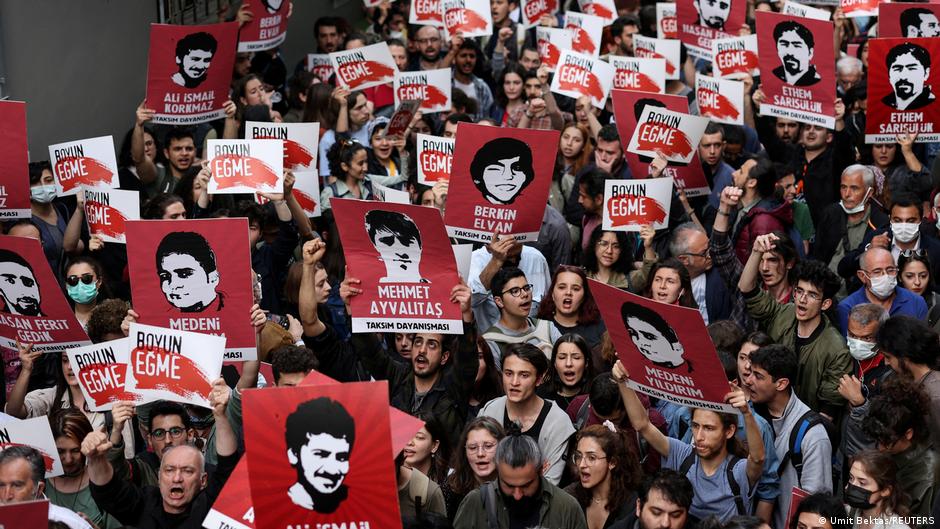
[[875, 259]]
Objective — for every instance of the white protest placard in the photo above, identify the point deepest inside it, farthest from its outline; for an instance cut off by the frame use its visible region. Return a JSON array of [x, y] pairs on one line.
[[435, 157], [107, 211], [463, 254], [735, 55], [471, 18], [307, 191], [668, 49], [800, 10], [533, 10], [387, 194], [631, 204], [550, 42], [431, 87], [35, 433], [320, 65], [364, 67], [605, 9], [583, 75], [666, 22], [300, 141], [673, 134], [173, 365], [721, 100], [88, 162], [426, 13], [245, 166], [640, 74], [586, 32], [101, 370]]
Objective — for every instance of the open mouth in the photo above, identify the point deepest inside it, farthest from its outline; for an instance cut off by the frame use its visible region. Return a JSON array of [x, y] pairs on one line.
[[176, 493]]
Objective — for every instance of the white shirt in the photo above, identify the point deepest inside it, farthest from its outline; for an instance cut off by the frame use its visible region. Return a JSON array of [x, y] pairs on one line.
[[698, 292], [531, 262]]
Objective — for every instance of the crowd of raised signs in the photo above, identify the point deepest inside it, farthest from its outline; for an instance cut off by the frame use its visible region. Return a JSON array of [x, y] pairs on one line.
[[638, 204]]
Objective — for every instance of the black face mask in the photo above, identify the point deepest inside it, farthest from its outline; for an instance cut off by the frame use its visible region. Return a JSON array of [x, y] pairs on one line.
[[858, 497]]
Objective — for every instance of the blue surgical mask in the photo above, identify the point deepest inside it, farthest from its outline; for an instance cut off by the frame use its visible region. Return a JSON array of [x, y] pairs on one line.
[[42, 194], [82, 293]]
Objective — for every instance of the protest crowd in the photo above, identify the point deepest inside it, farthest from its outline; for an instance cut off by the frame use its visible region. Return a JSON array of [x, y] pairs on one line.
[[561, 264]]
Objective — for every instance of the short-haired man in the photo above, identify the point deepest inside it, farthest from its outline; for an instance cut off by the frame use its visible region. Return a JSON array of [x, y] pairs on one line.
[[821, 351], [502, 47], [194, 54], [465, 62], [505, 252], [795, 47], [711, 150], [908, 70], [22, 473], [427, 42], [521, 494], [290, 364], [879, 276], [188, 274], [663, 502], [19, 288], [786, 189], [512, 294], [529, 58], [591, 198], [756, 210], [329, 33], [397, 239], [769, 383], [320, 434], [622, 30], [712, 13], [690, 245], [919, 22], [179, 151], [608, 156]]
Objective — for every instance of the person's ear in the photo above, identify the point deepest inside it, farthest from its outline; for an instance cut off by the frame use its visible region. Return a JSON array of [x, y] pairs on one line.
[[826, 304], [639, 507], [291, 458], [860, 275], [40, 489], [782, 383], [445, 356], [909, 434], [435, 446], [214, 278], [344, 166], [203, 480]]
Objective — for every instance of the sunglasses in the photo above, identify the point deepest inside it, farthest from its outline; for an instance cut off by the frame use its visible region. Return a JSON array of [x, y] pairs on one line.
[[84, 278]]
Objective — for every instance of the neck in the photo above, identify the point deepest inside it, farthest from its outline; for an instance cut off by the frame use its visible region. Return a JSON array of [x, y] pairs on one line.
[[711, 464], [78, 399], [463, 78], [750, 196], [855, 217], [424, 384], [602, 491], [906, 245], [70, 484], [918, 371], [424, 467], [513, 103], [513, 322], [780, 288], [805, 328], [812, 154], [84, 308], [568, 320], [567, 391], [352, 183], [886, 303], [41, 209], [603, 273], [527, 408], [175, 172], [779, 403], [483, 479]]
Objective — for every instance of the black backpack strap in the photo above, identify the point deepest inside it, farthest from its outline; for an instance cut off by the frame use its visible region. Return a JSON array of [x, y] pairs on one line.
[[733, 485], [686, 464], [488, 495]]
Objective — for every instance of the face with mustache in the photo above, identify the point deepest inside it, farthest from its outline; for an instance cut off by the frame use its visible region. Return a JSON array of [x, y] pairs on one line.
[[324, 461], [794, 54], [907, 75]]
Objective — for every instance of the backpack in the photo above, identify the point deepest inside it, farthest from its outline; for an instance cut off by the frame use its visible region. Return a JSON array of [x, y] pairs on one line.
[[794, 455], [729, 475], [419, 488]]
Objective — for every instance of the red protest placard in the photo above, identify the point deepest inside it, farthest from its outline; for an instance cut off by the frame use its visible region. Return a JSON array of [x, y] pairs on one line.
[[426, 13], [189, 71], [320, 65], [675, 135], [631, 204], [14, 162], [859, 8], [364, 67], [665, 348], [34, 433], [232, 508], [721, 100], [34, 309], [797, 495], [908, 19], [245, 166], [25, 514], [178, 366], [194, 275], [410, 289], [398, 123], [604, 9], [318, 455], [628, 106], [300, 141], [735, 55], [502, 178], [108, 210], [470, 18], [435, 158], [550, 42], [579, 75], [101, 370], [702, 21], [641, 74], [666, 23], [798, 80], [902, 90], [79, 163], [267, 29], [430, 87], [668, 49], [534, 10], [586, 31]]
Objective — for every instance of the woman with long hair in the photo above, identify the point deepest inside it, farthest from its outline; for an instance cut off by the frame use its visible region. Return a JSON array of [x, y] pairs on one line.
[[670, 283], [571, 307], [85, 286], [608, 475], [474, 461], [570, 372], [349, 169], [428, 451], [510, 96], [574, 153], [914, 275], [873, 492], [609, 256], [488, 383]]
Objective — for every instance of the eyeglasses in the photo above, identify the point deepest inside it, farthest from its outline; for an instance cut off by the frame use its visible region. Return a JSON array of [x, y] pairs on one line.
[[175, 432], [607, 244], [799, 293], [703, 254], [590, 458], [878, 272], [84, 278], [487, 448], [517, 291]]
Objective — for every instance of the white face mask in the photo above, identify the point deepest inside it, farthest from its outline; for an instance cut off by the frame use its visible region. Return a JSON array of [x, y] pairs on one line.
[[857, 209], [905, 231], [860, 349], [882, 287]]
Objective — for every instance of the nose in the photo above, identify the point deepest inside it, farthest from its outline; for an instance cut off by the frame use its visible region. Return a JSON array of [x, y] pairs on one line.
[[517, 494]]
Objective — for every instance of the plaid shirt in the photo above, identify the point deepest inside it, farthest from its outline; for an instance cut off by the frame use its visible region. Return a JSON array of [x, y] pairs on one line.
[[730, 269]]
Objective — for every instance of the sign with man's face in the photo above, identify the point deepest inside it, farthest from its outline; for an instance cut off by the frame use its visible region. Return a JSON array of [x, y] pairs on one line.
[[300, 141], [267, 29], [721, 100], [108, 210], [702, 21], [668, 49], [89, 163], [196, 276], [431, 87], [502, 180], [14, 162], [189, 71], [33, 308], [318, 455], [628, 106], [902, 90], [586, 31], [665, 348], [735, 55], [409, 289], [799, 78], [35, 433], [909, 20], [579, 75]]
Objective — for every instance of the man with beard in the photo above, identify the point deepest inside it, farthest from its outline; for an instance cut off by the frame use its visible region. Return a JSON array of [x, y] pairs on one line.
[[430, 56], [713, 13], [795, 45], [908, 72], [18, 286], [194, 54], [919, 22], [622, 30], [465, 62], [522, 497]]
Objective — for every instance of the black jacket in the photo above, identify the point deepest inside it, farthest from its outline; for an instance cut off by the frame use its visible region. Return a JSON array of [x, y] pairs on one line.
[[831, 231], [849, 264]]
